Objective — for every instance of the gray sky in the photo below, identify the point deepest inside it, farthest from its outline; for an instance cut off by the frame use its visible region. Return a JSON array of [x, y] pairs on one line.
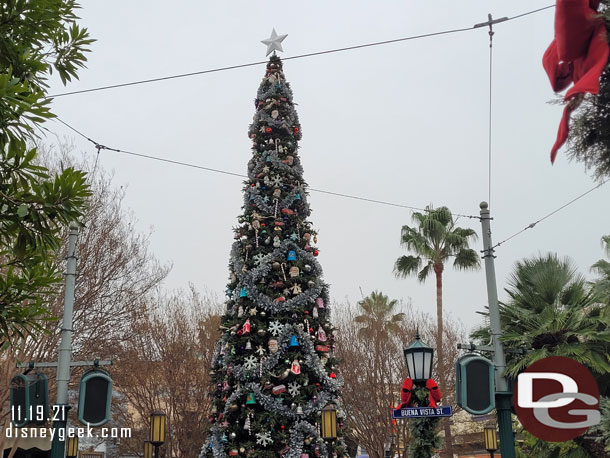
[[404, 122]]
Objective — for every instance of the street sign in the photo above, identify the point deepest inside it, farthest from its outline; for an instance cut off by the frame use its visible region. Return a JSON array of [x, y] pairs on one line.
[[420, 412]]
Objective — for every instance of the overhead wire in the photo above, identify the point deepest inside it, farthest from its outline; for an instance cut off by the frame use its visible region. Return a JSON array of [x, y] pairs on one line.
[[300, 56], [100, 146], [548, 215]]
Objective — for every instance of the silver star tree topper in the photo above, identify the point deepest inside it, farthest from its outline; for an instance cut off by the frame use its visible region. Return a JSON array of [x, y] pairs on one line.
[[274, 42]]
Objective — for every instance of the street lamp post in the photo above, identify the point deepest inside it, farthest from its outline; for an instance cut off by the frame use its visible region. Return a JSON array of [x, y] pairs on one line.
[[419, 360], [491, 439], [72, 447], [157, 430], [329, 422], [148, 449]]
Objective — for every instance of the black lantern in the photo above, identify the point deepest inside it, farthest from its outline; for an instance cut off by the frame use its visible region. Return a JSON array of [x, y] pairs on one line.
[[491, 439], [72, 447], [157, 430], [148, 449], [329, 422], [419, 360]]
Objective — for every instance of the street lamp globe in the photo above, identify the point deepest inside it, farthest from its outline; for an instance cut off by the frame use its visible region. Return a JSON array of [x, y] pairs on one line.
[[419, 360], [148, 449], [157, 428], [329, 422], [72, 447]]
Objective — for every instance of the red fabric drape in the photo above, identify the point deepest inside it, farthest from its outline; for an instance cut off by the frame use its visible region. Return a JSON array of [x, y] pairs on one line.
[[578, 55]]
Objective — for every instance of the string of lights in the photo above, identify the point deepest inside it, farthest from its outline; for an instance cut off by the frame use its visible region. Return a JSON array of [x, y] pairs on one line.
[[300, 56]]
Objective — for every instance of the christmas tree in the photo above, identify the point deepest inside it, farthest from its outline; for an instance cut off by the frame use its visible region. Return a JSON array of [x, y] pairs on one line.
[[273, 370]]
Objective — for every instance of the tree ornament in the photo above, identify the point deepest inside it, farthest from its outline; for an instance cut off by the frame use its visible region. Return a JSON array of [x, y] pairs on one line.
[[294, 389], [253, 311], [321, 334], [275, 114], [279, 389], [295, 368], [320, 302], [248, 424], [307, 268], [293, 341], [264, 439], [248, 345], [296, 289], [250, 362], [243, 293], [316, 252], [240, 311], [292, 256], [276, 241], [314, 312], [277, 193], [300, 412], [245, 330], [273, 345], [275, 328], [250, 398], [294, 271], [258, 259]]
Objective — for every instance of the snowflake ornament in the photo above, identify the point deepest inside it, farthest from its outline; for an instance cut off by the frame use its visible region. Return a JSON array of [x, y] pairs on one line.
[[276, 181], [275, 328], [259, 258], [294, 388], [250, 362], [264, 439]]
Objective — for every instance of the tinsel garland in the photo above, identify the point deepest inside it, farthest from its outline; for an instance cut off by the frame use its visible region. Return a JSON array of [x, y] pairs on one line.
[[276, 329]]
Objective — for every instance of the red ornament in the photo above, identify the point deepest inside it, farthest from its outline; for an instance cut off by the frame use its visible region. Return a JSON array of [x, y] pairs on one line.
[[315, 252], [296, 129], [262, 224], [268, 130], [282, 426], [332, 375]]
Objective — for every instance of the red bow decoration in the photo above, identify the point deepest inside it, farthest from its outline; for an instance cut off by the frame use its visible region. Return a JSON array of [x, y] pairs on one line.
[[578, 55], [434, 393]]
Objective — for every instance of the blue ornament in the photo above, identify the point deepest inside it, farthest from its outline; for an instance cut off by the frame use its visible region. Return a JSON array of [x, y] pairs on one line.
[[293, 342], [268, 159], [292, 256], [243, 293], [228, 292], [298, 196]]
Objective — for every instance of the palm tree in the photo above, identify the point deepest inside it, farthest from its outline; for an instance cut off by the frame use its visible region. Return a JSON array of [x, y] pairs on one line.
[[434, 240], [553, 311], [602, 268], [378, 315]]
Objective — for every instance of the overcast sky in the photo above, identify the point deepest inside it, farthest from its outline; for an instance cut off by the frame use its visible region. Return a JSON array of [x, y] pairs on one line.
[[403, 122]]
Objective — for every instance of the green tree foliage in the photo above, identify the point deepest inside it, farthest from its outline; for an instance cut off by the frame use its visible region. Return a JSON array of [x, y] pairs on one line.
[[378, 315], [589, 140], [423, 431], [36, 38], [434, 240], [552, 311], [602, 269]]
